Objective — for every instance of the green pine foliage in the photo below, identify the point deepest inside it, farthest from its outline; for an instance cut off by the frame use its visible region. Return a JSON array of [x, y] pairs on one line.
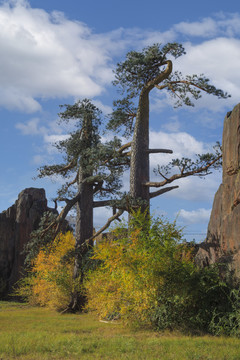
[[141, 70], [83, 150]]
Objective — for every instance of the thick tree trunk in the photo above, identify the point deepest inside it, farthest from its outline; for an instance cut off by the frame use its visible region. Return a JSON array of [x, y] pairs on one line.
[[84, 231], [139, 166], [139, 171], [84, 225], [84, 222]]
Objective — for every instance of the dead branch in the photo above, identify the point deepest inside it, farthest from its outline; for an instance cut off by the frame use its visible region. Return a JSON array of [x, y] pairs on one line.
[[102, 203], [110, 220], [162, 191], [156, 151]]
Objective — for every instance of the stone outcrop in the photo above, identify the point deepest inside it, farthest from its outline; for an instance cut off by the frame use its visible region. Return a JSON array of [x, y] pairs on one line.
[[223, 238], [16, 225]]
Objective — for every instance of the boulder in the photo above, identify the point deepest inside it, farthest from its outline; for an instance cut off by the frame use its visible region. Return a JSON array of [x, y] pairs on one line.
[[223, 236], [16, 225]]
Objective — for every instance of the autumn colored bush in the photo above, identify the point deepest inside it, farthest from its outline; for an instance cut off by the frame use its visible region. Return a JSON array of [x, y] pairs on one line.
[[49, 281], [148, 277], [145, 275], [135, 269]]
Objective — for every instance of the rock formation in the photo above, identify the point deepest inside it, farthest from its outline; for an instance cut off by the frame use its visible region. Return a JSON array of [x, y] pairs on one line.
[[16, 224], [223, 238]]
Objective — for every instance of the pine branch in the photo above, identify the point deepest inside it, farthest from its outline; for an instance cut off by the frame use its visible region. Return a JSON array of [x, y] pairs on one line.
[[161, 77], [182, 174]]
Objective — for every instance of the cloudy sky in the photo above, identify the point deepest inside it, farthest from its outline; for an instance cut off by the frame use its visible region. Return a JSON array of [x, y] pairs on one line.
[[55, 52]]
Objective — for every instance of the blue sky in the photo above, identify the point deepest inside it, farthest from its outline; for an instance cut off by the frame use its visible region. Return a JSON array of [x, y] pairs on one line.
[[54, 52]]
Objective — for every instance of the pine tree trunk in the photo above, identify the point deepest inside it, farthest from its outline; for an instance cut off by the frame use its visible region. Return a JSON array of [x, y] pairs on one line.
[[139, 167], [84, 221], [84, 231]]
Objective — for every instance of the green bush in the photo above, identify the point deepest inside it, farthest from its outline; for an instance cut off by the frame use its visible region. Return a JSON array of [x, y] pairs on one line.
[[149, 278]]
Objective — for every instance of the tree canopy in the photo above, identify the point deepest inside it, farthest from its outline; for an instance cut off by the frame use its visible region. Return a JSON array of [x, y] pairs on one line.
[[136, 77]]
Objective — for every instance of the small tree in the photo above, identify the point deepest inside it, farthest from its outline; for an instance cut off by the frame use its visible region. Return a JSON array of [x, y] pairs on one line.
[[136, 77], [90, 169]]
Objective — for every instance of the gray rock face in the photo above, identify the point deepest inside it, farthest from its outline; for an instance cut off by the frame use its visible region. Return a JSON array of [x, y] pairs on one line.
[[16, 225], [223, 238]]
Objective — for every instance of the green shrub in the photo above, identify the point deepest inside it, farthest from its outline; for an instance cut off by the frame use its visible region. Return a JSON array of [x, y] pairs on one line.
[[149, 278]]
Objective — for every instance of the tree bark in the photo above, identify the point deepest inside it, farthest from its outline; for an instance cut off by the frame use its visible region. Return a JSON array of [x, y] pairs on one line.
[[84, 231], [84, 221], [139, 164]]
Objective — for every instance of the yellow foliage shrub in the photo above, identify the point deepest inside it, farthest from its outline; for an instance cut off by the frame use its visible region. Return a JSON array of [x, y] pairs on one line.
[[137, 270], [50, 281]]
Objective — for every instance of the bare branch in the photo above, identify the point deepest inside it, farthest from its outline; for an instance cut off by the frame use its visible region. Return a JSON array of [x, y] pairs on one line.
[[156, 151], [162, 191], [74, 180], [55, 204], [69, 166], [61, 217], [161, 87], [125, 146], [110, 220], [102, 203], [126, 153]]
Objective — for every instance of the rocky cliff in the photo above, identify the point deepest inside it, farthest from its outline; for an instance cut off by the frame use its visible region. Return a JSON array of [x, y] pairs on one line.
[[223, 237], [16, 224]]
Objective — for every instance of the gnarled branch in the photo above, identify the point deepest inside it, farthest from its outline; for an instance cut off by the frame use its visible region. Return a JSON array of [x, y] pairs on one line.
[[162, 76]]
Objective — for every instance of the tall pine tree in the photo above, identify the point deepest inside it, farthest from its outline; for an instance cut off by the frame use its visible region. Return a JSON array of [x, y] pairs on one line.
[[136, 77], [91, 171]]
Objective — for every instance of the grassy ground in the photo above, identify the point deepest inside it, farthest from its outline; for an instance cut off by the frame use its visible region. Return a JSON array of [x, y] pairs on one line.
[[37, 333]]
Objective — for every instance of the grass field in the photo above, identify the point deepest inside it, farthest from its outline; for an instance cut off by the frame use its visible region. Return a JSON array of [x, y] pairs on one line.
[[37, 333]]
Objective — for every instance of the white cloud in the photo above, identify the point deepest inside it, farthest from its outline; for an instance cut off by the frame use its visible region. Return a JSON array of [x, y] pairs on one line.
[[218, 60], [181, 143], [206, 27], [222, 24], [47, 56], [195, 216], [38, 159], [101, 215], [31, 127], [50, 140], [197, 189], [55, 138], [173, 125], [104, 108]]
